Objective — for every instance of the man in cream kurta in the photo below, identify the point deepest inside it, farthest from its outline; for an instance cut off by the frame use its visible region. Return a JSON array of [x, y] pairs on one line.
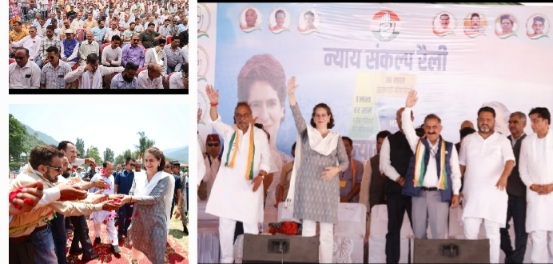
[[536, 171], [486, 160], [236, 195]]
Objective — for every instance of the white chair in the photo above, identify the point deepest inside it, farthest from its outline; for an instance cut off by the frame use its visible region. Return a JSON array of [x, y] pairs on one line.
[[379, 229], [349, 233]]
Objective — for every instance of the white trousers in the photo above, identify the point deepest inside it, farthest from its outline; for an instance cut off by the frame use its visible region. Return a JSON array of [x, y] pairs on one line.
[[326, 238], [226, 237], [542, 246], [472, 228], [112, 231]]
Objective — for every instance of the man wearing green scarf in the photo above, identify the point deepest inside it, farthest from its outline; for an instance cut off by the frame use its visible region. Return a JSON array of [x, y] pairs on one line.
[[433, 179]]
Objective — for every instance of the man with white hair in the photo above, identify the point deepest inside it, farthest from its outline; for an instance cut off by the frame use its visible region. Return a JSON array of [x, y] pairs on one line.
[[87, 47]]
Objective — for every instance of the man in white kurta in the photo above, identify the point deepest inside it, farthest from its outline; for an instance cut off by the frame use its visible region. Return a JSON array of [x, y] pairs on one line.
[[236, 195], [107, 217], [486, 160], [536, 171]]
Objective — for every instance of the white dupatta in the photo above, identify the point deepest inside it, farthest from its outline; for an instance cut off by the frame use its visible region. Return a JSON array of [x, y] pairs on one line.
[[144, 188], [318, 143], [92, 81]]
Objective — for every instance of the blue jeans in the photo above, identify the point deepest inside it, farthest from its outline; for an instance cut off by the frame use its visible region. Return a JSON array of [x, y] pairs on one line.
[[44, 246], [60, 237]]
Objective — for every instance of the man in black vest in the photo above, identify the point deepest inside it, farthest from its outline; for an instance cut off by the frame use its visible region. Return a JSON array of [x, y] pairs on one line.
[[433, 179], [378, 181], [394, 162], [517, 197]]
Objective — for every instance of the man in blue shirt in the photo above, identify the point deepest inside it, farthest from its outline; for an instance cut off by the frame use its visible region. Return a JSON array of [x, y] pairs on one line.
[[123, 184], [178, 193]]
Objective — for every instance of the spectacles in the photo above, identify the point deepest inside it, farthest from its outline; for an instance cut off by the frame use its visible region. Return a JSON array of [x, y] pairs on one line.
[[212, 144], [132, 165], [51, 57], [135, 40], [58, 169]]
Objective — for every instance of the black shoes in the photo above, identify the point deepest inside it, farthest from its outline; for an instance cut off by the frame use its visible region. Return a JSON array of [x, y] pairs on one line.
[[90, 257], [185, 230], [115, 249], [77, 251]]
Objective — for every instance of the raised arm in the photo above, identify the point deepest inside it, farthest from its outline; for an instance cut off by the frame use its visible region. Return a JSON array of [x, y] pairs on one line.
[[296, 113], [407, 122]]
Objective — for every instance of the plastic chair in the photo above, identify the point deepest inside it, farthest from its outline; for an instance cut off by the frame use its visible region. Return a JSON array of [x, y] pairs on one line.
[[168, 39], [103, 46], [12, 60], [81, 33]]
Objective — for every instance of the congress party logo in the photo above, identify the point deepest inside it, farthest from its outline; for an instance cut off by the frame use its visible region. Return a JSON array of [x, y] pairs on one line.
[[385, 25]]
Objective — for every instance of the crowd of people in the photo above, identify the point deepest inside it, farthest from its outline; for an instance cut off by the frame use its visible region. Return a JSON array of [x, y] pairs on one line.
[[49, 196], [495, 177], [92, 44]]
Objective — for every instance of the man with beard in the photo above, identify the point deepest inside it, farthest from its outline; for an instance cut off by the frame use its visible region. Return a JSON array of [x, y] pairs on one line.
[[31, 240], [486, 160], [126, 79], [433, 179]]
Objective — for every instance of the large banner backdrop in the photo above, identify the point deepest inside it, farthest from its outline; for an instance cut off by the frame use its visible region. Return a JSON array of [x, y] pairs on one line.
[[361, 59]]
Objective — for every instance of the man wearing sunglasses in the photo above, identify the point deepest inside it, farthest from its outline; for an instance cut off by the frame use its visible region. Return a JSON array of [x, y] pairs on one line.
[[29, 232], [53, 73], [24, 73], [133, 53]]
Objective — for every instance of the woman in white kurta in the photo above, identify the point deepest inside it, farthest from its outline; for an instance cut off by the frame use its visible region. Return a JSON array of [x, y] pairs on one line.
[[233, 196], [152, 195], [536, 171]]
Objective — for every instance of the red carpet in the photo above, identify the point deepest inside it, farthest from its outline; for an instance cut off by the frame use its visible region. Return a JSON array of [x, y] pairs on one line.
[[174, 253]]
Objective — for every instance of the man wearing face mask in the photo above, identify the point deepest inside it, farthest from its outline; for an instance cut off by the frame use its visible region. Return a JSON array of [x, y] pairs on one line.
[[433, 179], [90, 76]]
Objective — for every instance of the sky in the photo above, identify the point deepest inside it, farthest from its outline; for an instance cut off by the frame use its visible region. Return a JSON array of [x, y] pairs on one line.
[[113, 126]]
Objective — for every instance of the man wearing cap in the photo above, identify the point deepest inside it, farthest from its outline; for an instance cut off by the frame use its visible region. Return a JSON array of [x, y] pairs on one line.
[[66, 26], [212, 160], [69, 48]]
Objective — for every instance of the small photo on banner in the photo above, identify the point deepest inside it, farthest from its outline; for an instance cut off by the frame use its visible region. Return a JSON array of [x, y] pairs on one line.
[[444, 23], [250, 19], [308, 22], [385, 25], [506, 25], [475, 25], [279, 20], [537, 26]]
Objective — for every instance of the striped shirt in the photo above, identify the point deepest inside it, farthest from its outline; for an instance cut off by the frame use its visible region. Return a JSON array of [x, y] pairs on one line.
[[175, 58], [52, 77]]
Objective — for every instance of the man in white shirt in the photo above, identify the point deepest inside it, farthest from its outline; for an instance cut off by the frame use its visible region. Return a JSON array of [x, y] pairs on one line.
[[536, 171], [90, 76], [113, 31], [236, 195], [486, 161], [31, 42], [178, 80], [435, 178], [24, 73], [157, 55], [111, 55], [150, 78]]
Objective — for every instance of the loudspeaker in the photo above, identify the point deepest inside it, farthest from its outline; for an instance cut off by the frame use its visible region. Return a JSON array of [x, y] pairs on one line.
[[280, 248], [451, 251]]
